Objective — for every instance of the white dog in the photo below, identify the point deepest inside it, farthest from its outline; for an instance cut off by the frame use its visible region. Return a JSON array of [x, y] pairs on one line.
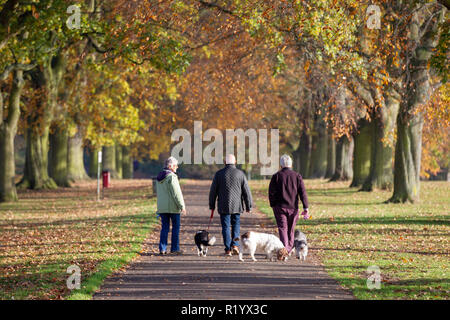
[[268, 242]]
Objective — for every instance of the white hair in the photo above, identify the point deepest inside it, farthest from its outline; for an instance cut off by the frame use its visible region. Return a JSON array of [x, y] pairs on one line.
[[170, 161], [286, 161], [230, 159]]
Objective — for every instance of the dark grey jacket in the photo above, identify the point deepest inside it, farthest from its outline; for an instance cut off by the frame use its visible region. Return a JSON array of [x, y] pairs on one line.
[[231, 189]]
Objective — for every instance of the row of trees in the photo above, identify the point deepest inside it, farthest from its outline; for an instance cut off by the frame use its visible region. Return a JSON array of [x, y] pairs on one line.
[[347, 99], [72, 78], [363, 92]]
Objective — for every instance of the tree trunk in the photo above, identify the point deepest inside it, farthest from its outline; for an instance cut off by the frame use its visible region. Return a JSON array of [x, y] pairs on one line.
[[93, 162], [118, 149], [331, 156], [109, 160], [407, 160], [319, 149], [8, 130], [75, 163], [36, 161], [342, 160], [424, 33], [361, 153], [57, 168], [382, 144], [348, 161], [305, 154], [127, 163]]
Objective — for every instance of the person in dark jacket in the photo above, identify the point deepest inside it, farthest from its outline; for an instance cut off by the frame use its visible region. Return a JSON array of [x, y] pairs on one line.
[[285, 189], [232, 192]]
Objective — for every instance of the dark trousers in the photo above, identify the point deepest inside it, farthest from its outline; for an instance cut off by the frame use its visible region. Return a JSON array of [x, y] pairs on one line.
[[286, 222]]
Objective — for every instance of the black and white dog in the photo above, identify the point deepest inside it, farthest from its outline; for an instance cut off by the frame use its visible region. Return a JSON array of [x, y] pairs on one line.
[[301, 245], [202, 241]]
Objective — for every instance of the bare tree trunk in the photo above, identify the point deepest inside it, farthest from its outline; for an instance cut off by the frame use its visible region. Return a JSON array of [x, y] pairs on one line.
[[109, 160], [127, 163], [8, 130], [342, 160], [93, 161], [361, 153], [118, 149], [331, 156], [424, 34], [75, 163], [36, 161], [57, 165], [305, 154], [382, 150], [319, 147]]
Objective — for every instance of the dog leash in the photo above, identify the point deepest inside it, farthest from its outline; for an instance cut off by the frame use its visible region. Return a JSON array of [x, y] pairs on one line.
[[210, 219]]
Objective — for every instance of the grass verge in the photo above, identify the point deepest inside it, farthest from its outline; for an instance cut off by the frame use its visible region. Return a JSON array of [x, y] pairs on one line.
[[48, 231], [351, 231]]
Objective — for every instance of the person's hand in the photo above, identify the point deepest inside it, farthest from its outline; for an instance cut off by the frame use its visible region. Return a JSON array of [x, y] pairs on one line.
[[305, 214], [183, 211]]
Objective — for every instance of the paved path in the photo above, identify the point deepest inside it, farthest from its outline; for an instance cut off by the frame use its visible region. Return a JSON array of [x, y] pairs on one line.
[[217, 277]]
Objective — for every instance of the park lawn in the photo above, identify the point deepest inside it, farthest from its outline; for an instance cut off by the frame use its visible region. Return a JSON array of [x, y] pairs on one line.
[[350, 231], [48, 231]]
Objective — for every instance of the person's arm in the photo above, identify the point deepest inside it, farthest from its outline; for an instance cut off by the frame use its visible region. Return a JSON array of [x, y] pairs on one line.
[[246, 194], [302, 193], [175, 192], [213, 193], [273, 191]]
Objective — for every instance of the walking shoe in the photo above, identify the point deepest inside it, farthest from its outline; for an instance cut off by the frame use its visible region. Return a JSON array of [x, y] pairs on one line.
[[228, 253], [235, 250], [162, 253], [177, 253]]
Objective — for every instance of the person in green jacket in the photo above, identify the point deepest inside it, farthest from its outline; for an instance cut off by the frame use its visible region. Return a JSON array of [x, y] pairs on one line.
[[170, 204]]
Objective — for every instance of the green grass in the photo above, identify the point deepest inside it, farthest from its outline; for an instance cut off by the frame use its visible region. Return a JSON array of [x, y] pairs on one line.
[[350, 231], [47, 231], [117, 261]]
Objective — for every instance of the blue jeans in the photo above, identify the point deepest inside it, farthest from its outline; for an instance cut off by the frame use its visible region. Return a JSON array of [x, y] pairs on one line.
[[233, 222], [175, 241]]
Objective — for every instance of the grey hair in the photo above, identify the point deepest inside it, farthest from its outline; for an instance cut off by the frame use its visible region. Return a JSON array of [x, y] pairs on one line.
[[286, 161], [170, 161]]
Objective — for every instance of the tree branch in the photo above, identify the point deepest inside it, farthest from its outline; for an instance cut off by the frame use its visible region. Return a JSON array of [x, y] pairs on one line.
[[215, 6], [16, 66]]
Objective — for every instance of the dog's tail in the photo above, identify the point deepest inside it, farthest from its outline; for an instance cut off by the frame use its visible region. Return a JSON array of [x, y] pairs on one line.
[[212, 241]]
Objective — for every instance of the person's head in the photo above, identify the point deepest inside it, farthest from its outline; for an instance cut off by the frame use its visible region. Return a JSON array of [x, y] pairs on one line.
[[230, 159], [172, 164], [285, 161]]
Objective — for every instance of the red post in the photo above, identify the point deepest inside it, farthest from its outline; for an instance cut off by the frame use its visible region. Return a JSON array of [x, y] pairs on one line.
[[106, 179]]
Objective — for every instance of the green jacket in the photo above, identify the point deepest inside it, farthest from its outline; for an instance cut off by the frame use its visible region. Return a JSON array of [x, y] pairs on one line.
[[169, 196]]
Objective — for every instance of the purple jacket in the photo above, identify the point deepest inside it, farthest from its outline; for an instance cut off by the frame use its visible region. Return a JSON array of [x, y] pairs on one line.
[[285, 188]]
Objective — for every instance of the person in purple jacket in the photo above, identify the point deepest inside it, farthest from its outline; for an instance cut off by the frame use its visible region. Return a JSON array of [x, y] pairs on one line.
[[285, 189]]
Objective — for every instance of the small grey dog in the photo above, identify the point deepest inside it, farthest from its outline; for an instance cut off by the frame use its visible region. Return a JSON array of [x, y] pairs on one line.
[[301, 245]]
